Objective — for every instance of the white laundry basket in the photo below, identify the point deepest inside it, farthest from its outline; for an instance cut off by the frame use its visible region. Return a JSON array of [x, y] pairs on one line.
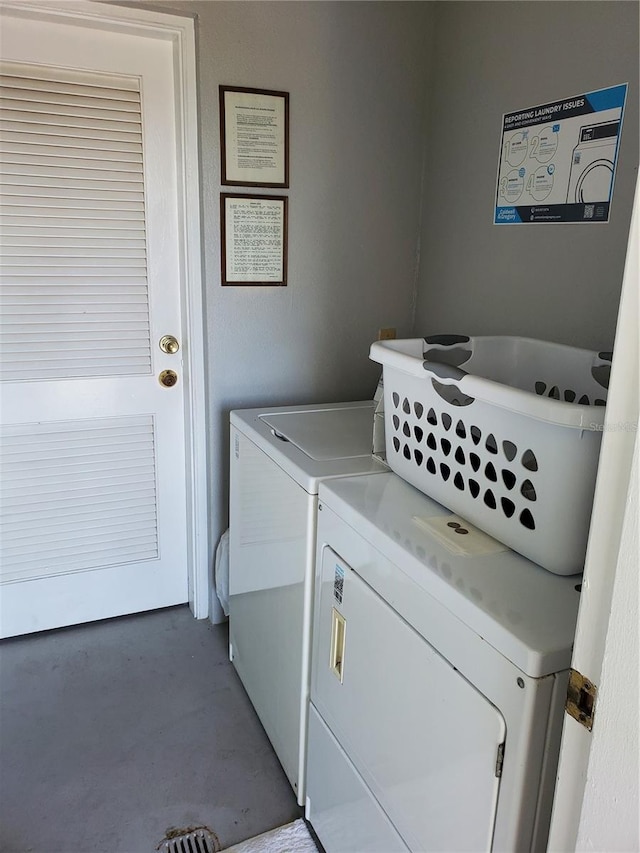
[[504, 431]]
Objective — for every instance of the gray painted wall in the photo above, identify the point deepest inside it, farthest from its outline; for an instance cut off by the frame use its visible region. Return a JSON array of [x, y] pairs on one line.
[[555, 282], [356, 76]]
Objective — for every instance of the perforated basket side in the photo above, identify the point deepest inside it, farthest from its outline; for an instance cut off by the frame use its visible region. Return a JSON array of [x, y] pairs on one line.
[[528, 483]]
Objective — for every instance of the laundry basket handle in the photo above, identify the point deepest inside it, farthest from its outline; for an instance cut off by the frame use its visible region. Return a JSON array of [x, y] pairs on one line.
[[446, 340], [445, 379], [446, 373], [448, 349]]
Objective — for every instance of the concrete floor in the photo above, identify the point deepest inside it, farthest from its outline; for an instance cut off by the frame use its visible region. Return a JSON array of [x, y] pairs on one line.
[[113, 732]]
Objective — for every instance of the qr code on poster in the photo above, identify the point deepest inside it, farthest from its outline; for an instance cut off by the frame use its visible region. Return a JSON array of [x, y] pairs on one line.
[[588, 211], [338, 584]]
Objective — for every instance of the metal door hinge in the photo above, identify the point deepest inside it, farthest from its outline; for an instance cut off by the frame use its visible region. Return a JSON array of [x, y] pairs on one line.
[[499, 760], [581, 699]]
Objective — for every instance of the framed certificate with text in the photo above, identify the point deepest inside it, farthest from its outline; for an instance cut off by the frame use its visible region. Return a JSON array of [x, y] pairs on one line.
[[254, 137], [253, 239]]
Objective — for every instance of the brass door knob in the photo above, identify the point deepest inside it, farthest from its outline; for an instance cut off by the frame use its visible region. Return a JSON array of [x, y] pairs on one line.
[[168, 378], [169, 344]]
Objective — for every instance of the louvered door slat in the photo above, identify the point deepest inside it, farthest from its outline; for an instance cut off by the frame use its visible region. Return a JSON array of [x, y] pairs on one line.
[[80, 280], [41, 77], [40, 331], [17, 304], [54, 442], [71, 343], [56, 516], [62, 530], [122, 170], [85, 563], [20, 525], [74, 269], [88, 350], [109, 238], [87, 313], [128, 468], [21, 538], [53, 370], [122, 430], [129, 449], [73, 502], [53, 120], [82, 489], [72, 209], [15, 261], [91, 558], [105, 225], [127, 505], [21, 189], [91, 143], [29, 203], [124, 352], [78, 173], [137, 475], [73, 111], [51, 184], [81, 103], [66, 154], [56, 134], [58, 294], [28, 245]]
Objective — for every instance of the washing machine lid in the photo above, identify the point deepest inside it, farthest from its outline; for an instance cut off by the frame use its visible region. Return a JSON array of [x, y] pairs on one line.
[[525, 612], [323, 434], [314, 442]]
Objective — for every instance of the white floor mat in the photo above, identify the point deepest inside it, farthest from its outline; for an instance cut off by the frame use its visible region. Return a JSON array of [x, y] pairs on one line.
[[292, 838]]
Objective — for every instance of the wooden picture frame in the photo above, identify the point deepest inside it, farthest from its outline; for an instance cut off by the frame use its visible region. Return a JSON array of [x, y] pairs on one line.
[[253, 239], [254, 137]]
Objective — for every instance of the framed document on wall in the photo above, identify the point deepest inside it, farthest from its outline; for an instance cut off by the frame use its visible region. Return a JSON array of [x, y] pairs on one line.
[[254, 137], [253, 239]]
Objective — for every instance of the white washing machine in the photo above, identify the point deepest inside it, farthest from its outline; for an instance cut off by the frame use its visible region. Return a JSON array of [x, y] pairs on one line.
[[592, 163], [278, 458], [439, 673]]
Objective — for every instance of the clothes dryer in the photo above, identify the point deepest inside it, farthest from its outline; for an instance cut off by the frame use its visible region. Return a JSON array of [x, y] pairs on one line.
[[439, 675], [278, 459]]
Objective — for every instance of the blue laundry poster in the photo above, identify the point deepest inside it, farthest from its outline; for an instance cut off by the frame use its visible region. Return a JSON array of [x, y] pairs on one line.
[[558, 161]]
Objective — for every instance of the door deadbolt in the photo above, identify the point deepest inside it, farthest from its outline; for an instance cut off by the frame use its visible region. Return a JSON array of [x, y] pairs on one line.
[[168, 378], [169, 344]]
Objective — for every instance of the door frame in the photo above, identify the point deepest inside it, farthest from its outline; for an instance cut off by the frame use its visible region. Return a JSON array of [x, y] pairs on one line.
[[180, 31], [610, 531]]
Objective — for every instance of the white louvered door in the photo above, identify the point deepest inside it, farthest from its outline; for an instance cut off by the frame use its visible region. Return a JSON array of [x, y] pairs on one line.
[[93, 517]]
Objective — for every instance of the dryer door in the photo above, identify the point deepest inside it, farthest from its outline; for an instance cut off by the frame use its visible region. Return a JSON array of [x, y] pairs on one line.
[[424, 740]]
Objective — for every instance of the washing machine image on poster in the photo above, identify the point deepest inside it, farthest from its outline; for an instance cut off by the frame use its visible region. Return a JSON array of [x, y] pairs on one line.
[[557, 161], [592, 163]]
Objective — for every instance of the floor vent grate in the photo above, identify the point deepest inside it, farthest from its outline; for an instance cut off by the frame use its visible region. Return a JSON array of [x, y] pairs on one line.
[[192, 840]]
